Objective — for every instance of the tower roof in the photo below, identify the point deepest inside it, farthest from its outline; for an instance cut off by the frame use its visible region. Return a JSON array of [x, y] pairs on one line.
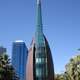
[[19, 41], [39, 17], [39, 27]]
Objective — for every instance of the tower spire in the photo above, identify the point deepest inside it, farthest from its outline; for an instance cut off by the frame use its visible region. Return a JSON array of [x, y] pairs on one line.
[[39, 27], [39, 17], [38, 1]]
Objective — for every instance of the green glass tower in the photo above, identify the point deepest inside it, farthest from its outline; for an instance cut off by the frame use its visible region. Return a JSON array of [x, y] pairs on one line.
[[40, 63]]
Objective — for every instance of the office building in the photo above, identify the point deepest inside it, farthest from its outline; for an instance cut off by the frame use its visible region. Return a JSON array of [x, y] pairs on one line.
[[19, 58]]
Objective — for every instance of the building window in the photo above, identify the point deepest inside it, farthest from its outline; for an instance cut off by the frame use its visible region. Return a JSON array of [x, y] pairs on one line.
[[38, 60], [41, 60], [46, 70], [38, 72]]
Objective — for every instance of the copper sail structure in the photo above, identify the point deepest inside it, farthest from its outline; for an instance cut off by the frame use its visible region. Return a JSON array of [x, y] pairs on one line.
[[39, 63]]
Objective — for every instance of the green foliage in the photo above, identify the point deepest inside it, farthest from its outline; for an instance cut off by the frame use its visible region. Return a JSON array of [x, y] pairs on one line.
[[72, 70], [59, 77], [6, 70]]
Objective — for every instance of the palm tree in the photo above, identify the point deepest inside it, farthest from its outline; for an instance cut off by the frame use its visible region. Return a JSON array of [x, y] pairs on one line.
[[7, 72]]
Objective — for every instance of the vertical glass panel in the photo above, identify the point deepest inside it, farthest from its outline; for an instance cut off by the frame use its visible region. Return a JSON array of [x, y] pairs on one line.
[[41, 60], [46, 70], [38, 72], [38, 60]]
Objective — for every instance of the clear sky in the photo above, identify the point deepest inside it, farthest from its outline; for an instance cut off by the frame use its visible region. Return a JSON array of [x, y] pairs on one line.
[[61, 21]]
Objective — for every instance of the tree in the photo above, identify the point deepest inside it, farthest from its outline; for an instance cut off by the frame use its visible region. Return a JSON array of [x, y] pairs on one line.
[[59, 77], [7, 72], [73, 68]]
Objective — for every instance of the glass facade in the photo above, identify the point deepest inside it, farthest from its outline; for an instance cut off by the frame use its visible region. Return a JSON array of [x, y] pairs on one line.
[[19, 58], [41, 64]]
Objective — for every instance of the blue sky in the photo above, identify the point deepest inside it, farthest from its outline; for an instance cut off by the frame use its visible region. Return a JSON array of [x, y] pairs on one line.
[[61, 24]]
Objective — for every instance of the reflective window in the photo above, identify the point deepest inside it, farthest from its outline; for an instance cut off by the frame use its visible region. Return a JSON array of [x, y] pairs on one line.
[[41, 60], [38, 60], [38, 72]]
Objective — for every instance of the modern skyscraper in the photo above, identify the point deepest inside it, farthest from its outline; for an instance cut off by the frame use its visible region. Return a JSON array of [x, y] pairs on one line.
[[19, 58], [2, 50], [40, 63]]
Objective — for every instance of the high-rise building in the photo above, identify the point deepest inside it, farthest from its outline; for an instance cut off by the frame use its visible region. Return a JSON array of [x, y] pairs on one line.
[[19, 58], [2, 50], [39, 64]]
